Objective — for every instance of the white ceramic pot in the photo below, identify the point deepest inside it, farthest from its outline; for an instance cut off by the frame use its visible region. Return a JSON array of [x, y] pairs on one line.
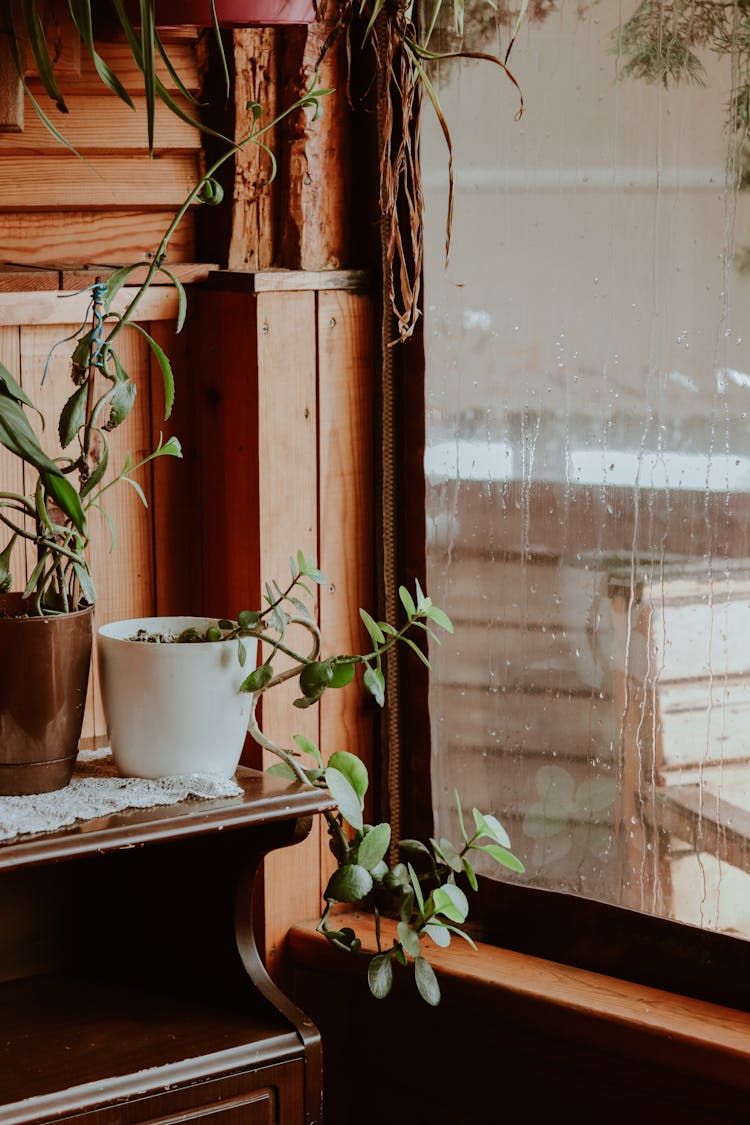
[[173, 708]]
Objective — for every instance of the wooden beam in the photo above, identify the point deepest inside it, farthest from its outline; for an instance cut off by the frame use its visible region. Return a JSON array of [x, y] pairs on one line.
[[98, 124], [43, 182], [292, 281], [159, 303], [47, 238]]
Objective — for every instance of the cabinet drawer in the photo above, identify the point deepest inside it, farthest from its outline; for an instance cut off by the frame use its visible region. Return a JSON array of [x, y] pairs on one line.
[[270, 1095]]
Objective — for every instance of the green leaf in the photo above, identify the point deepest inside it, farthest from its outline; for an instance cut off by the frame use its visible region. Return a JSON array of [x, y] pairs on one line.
[[66, 497], [439, 934], [414, 848], [281, 769], [181, 297], [17, 435], [440, 618], [86, 582], [115, 282], [6, 578], [374, 846], [374, 681], [315, 676], [415, 648], [121, 403], [470, 874], [258, 678], [447, 853], [81, 12], [308, 747], [346, 798], [353, 769], [380, 975], [165, 367], [461, 824], [502, 855], [407, 601], [42, 61], [423, 603], [488, 825], [73, 415], [350, 883], [409, 939], [376, 633], [343, 671], [248, 619], [450, 901], [10, 387], [426, 981], [137, 489], [417, 888], [406, 905]]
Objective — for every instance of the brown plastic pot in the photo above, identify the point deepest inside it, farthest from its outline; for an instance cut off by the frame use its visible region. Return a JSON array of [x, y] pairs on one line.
[[44, 673], [230, 13]]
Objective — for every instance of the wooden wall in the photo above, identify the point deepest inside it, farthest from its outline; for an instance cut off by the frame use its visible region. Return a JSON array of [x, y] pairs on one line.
[[111, 203], [284, 444]]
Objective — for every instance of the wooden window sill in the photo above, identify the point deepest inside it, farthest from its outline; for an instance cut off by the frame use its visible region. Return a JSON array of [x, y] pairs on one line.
[[705, 1042]]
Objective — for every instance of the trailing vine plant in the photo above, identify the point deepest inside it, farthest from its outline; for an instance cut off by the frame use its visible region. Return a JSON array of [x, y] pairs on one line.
[[423, 888]]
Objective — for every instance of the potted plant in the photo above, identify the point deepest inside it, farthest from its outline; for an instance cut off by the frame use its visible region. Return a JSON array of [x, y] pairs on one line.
[[41, 714], [420, 884]]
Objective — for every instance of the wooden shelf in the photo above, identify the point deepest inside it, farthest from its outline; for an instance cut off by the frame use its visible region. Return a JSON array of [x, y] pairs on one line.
[[131, 988]]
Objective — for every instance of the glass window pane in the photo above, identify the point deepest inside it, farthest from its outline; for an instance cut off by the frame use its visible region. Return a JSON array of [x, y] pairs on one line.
[[588, 470]]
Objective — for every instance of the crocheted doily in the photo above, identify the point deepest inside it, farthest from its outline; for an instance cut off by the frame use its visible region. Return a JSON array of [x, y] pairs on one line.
[[97, 790]]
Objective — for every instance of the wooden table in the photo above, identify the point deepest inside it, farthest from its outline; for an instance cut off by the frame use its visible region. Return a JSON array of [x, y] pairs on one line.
[[131, 988]]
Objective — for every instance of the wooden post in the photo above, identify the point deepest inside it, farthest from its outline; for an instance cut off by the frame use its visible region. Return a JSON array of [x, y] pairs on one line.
[[11, 90], [252, 243], [315, 167]]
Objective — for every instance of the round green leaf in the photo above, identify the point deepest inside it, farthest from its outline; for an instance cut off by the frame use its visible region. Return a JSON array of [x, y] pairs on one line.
[[374, 846], [258, 678], [409, 939], [427, 982], [380, 975], [350, 883], [343, 672], [353, 768], [345, 796]]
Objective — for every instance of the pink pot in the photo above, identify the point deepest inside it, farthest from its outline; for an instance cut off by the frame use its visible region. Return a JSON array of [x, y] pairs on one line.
[[230, 13]]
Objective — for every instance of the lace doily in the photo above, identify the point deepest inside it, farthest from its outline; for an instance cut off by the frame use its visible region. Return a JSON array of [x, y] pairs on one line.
[[97, 790]]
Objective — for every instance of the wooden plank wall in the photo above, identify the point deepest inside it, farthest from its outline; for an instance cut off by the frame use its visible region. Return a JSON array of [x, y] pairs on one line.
[[294, 367], [111, 203]]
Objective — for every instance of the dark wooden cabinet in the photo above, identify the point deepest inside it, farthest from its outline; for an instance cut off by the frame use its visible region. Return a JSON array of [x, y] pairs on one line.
[[131, 988]]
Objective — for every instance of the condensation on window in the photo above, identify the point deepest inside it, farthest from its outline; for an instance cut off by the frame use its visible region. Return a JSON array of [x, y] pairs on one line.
[[588, 473]]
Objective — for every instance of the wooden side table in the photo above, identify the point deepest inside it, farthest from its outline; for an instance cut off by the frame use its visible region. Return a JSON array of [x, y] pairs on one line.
[[131, 988]]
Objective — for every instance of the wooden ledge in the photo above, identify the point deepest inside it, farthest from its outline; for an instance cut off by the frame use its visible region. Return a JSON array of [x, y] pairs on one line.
[[561, 1001], [290, 281]]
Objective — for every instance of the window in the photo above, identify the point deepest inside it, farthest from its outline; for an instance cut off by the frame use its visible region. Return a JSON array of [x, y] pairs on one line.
[[587, 469]]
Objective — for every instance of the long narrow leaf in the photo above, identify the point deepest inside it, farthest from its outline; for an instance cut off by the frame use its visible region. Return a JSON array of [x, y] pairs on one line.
[[164, 366], [38, 43], [148, 61], [181, 297], [81, 13]]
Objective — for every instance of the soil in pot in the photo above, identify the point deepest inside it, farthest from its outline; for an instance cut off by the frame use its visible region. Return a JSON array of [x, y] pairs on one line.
[[44, 672]]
